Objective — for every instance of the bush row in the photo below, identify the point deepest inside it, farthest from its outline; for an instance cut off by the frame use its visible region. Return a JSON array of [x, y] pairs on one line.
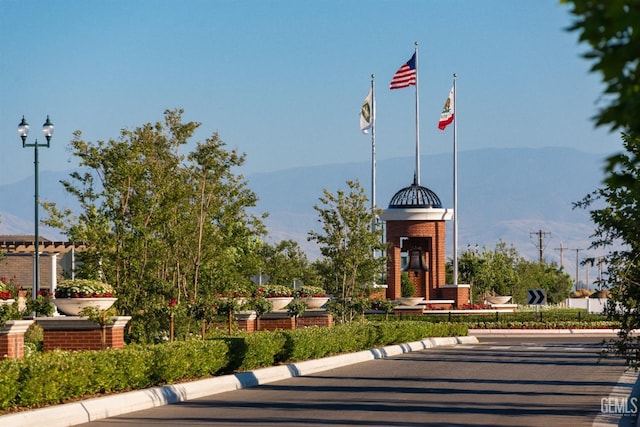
[[578, 316], [58, 376]]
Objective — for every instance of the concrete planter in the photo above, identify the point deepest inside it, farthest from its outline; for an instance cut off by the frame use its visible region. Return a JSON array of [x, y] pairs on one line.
[[316, 302], [410, 301], [73, 306], [279, 303]]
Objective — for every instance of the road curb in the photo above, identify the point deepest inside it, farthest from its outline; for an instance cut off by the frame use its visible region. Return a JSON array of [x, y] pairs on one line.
[[74, 413], [524, 332]]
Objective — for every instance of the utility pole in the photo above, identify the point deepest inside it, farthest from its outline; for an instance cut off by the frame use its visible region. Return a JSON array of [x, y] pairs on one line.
[[577, 266], [600, 259], [561, 249], [540, 247]]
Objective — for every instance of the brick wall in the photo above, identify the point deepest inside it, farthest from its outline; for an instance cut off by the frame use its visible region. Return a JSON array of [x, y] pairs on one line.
[[267, 324], [76, 333], [281, 320]]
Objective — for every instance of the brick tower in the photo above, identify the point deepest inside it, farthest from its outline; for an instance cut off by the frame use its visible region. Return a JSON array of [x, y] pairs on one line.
[[415, 226]]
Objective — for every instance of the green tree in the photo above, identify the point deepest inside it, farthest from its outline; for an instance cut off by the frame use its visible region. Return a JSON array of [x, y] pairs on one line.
[[502, 271], [285, 262], [490, 271], [612, 31], [615, 209], [160, 225], [536, 275], [348, 243]]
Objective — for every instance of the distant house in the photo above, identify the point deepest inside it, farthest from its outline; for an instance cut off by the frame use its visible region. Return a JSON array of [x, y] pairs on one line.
[[57, 260]]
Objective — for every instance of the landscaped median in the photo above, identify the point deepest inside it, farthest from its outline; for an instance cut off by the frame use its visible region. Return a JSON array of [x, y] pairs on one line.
[[56, 377]]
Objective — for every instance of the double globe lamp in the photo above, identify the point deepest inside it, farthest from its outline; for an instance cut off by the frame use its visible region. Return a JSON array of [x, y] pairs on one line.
[[23, 131]]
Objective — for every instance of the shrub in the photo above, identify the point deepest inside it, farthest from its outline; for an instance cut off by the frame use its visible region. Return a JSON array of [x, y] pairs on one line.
[[257, 350], [9, 382], [58, 376]]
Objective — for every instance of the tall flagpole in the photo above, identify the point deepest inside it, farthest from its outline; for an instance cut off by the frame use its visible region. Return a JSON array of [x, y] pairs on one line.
[[417, 177], [373, 151], [455, 184]]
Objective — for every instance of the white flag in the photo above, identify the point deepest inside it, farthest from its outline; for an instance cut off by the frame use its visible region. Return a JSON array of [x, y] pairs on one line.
[[366, 114]]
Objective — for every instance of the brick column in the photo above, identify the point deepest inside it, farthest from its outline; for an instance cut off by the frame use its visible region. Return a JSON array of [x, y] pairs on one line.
[[247, 321], [80, 333], [459, 293], [12, 339]]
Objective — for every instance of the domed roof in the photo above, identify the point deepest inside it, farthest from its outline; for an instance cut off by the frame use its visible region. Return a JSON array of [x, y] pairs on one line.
[[415, 196]]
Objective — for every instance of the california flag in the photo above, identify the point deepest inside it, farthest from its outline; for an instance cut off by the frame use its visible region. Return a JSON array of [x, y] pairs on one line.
[[446, 117]]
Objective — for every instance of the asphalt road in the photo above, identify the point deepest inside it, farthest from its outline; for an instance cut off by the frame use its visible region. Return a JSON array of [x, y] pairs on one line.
[[533, 381]]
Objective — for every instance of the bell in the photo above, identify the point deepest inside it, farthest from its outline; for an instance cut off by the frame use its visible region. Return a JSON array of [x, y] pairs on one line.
[[416, 262]]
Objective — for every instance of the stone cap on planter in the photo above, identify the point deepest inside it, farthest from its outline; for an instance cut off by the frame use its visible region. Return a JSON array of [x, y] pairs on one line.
[[16, 327], [76, 323]]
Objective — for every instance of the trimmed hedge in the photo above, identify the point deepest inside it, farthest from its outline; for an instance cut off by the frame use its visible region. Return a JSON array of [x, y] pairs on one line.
[[58, 376]]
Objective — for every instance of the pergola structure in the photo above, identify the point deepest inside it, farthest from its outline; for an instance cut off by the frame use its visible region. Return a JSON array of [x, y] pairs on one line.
[[56, 257]]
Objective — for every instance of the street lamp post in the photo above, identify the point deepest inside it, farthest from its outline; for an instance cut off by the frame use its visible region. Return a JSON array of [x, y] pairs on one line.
[[23, 131]]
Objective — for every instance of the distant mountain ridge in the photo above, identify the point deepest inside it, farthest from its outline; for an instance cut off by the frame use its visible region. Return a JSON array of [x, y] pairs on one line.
[[503, 194]]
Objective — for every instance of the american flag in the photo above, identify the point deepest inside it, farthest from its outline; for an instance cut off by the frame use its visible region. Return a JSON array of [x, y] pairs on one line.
[[405, 76]]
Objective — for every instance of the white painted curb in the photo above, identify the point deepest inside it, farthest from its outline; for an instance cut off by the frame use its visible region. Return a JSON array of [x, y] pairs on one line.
[[513, 332], [70, 414]]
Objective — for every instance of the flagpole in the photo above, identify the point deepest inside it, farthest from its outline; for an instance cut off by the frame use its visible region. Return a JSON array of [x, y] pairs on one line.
[[455, 184], [417, 177], [373, 151]]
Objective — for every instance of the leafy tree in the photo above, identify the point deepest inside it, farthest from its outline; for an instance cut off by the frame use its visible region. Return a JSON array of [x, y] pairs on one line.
[[615, 212], [348, 243], [612, 30], [160, 225], [490, 271], [503, 271], [285, 262], [536, 275]]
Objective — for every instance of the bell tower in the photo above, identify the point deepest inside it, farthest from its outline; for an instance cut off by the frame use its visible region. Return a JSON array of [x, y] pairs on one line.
[[415, 231]]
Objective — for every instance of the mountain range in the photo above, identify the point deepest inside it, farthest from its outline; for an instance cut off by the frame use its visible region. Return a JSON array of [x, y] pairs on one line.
[[508, 194]]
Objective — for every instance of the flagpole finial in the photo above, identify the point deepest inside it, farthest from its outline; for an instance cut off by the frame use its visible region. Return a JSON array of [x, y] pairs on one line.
[[416, 43], [373, 76], [455, 75]]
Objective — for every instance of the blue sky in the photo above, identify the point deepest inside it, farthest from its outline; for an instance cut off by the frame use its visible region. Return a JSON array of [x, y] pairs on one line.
[[283, 80]]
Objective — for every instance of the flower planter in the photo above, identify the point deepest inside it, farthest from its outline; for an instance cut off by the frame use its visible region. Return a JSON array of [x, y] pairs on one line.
[[411, 301], [316, 302], [279, 303], [73, 306], [497, 299]]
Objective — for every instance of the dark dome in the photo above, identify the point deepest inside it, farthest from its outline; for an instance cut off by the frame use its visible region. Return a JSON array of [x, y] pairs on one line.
[[415, 196]]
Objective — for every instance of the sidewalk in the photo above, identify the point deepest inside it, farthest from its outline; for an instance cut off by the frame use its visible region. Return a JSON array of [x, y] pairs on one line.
[[74, 413]]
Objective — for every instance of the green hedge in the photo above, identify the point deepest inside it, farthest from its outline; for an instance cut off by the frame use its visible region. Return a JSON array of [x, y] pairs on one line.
[[58, 376]]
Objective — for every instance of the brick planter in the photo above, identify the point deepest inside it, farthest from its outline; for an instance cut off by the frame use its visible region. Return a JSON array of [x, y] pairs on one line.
[[247, 320], [12, 339], [80, 333]]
